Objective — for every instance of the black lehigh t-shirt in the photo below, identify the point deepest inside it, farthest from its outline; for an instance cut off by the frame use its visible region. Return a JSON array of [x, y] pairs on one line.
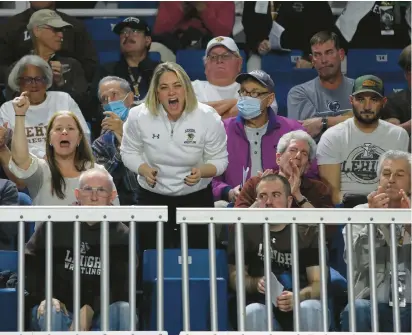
[[281, 254], [281, 250]]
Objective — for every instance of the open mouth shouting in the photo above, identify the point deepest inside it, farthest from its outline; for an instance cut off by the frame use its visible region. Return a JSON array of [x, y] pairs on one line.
[[174, 103]]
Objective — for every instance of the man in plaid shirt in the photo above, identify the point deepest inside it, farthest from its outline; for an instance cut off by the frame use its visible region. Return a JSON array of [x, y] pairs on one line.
[[116, 98]]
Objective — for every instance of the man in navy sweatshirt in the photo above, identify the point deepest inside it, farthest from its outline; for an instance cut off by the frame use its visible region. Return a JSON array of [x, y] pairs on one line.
[[95, 189]]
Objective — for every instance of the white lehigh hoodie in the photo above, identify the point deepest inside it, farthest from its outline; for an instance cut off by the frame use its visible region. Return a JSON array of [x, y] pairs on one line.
[[197, 138]]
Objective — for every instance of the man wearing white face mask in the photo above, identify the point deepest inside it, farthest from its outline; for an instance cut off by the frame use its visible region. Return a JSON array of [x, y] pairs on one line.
[[253, 135], [116, 98]]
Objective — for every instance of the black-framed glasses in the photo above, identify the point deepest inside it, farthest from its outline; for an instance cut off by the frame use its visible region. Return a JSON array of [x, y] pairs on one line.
[[32, 80], [223, 57], [253, 94], [100, 192]]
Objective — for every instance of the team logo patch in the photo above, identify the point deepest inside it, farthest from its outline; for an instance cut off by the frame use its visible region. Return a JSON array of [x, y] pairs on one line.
[[219, 39], [369, 83], [190, 136]]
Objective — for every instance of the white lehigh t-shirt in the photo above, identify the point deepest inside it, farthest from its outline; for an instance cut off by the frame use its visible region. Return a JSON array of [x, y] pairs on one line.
[[37, 118], [359, 152]]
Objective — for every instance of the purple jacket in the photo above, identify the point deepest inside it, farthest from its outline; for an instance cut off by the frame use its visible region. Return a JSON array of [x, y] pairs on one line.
[[239, 151]]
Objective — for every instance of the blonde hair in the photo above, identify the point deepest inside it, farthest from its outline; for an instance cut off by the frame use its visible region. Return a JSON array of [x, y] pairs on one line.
[[152, 99]]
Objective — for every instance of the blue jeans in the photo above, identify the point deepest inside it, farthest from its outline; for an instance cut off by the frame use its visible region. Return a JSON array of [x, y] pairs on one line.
[[385, 317], [310, 317], [119, 319]]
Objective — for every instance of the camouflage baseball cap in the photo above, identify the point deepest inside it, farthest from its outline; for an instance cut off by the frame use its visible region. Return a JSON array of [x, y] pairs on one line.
[[368, 83]]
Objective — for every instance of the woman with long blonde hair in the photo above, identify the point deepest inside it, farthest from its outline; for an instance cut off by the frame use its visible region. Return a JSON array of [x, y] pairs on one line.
[[176, 145]]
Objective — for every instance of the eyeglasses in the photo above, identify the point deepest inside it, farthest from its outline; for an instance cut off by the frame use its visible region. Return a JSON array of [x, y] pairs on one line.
[[111, 96], [253, 94], [53, 29], [32, 80], [223, 57], [101, 192], [129, 31]]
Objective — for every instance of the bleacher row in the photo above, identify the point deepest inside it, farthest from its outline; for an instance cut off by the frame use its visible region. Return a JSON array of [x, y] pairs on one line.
[[198, 286], [281, 66]]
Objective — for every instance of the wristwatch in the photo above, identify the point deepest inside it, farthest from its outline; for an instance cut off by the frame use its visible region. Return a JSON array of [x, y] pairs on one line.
[[324, 123], [302, 202]]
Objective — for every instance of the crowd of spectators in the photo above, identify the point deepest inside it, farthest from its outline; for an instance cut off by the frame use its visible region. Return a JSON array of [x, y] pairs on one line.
[[142, 132]]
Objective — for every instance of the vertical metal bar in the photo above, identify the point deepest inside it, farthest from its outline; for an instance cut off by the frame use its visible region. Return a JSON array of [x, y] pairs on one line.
[[22, 276], [268, 273], [372, 276], [212, 275], [104, 276], [160, 276], [295, 277], [76, 275], [394, 266], [132, 274], [351, 291], [240, 277], [324, 273], [185, 276], [49, 275]]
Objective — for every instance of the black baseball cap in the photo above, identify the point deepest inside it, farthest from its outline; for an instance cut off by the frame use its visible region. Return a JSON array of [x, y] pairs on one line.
[[261, 76], [134, 23]]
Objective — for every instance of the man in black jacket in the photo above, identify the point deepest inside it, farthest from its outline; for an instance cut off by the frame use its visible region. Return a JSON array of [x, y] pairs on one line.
[[134, 64], [15, 41], [95, 189]]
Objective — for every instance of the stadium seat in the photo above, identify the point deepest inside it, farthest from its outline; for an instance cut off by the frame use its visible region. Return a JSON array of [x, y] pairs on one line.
[[8, 296], [282, 61], [192, 61], [198, 288], [113, 56], [379, 62]]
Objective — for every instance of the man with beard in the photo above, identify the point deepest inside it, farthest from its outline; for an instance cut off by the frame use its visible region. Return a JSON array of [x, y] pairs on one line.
[[321, 103], [348, 153]]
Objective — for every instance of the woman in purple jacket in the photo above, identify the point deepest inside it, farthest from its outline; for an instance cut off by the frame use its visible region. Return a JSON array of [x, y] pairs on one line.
[[253, 135]]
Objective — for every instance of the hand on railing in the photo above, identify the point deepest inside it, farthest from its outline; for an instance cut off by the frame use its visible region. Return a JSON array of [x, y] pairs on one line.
[[21, 104], [59, 306]]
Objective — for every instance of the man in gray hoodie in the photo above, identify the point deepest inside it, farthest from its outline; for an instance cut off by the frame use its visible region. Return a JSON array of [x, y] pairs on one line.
[[394, 189]]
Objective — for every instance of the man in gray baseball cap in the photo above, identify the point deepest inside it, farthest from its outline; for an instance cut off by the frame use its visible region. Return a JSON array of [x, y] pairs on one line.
[[47, 17]]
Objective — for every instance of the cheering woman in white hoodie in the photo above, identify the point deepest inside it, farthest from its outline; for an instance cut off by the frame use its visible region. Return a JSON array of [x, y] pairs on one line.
[[176, 145]]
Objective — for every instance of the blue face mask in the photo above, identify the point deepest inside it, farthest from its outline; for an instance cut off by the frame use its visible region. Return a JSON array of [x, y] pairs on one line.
[[249, 107], [118, 108]]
